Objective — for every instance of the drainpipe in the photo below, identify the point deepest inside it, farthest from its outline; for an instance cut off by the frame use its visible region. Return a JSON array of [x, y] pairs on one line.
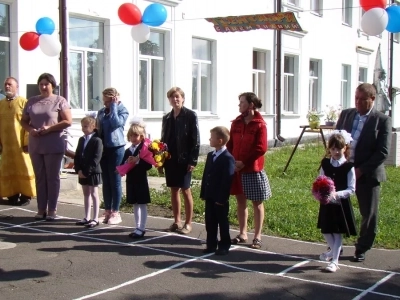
[[278, 78], [64, 48], [390, 75]]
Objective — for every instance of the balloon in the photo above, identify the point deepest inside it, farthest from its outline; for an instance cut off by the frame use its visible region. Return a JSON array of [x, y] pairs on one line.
[[140, 33], [49, 44], [154, 15], [369, 4], [130, 14], [374, 21], [394, 19], [45, 25], [29, 41]]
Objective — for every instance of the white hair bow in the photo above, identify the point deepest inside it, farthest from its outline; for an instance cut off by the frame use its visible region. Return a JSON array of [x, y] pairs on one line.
[[135, 120], [92, 114], [347, 136]]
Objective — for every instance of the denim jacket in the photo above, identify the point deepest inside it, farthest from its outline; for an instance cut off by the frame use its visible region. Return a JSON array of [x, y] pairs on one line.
[[110, 126]]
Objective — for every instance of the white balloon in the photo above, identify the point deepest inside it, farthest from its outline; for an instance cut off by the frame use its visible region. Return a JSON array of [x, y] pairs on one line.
[[49, 44], [140, 33], [374, 21]]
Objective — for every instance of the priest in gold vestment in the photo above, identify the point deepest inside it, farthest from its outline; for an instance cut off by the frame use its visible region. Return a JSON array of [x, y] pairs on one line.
[[17, 180]]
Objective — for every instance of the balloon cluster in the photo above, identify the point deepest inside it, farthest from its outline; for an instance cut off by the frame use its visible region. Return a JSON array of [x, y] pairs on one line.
[[43, 37], [378, 17], [154, 15]]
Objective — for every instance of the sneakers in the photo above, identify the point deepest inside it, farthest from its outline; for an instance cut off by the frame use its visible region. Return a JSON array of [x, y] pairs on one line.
[[186, 229], [359, 256], [326, 256], [115, 218], [332, 267], [104, 218]]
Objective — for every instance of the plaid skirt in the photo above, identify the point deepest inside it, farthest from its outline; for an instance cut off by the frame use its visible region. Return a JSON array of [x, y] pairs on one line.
[[256, 186]]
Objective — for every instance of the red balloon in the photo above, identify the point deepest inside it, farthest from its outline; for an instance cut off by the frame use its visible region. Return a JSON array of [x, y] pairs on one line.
[[29, 41], [130, 14], [368, 4]]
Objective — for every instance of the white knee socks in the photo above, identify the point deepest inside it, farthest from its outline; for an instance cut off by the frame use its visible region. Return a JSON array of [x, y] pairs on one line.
[[140, 211], [334, 241]]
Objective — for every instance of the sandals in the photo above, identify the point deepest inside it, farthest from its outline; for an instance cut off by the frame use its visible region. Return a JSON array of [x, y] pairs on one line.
[[238, 240], [137, 234], [84, 221], [256, 244], [92, 224]]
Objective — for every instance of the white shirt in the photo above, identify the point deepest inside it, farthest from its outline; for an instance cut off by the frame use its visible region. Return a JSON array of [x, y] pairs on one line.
[[218, 153], [87, 138], [351, 179]]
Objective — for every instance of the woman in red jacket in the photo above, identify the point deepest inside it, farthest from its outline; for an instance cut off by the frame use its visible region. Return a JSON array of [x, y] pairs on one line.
[[248, 144]]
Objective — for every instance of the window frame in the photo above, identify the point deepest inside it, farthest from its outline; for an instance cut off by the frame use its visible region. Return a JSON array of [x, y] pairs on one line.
[[84, 51], [316, 11], [365, 74], [7, 39], [318, 80], [347, 12], [345, 103], [262, 92], [286, 76], [199, 62]]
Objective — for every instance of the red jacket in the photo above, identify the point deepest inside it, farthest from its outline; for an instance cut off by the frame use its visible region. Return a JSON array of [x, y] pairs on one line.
[[248, 142]]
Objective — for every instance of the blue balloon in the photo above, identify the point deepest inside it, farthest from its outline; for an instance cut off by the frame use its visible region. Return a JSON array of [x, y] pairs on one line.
[[45, 25], [393, 25], [154, 15]]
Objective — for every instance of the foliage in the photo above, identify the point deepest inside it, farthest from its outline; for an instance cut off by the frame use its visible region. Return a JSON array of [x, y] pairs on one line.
[[332, 112], [312, 116], [292, 212]]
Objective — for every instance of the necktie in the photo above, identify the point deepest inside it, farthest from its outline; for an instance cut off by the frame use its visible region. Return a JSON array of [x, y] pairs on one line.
[[214, 156]]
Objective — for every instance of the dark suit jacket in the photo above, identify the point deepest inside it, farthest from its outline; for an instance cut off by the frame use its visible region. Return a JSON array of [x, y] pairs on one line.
[[137, 186], [88, 160], [217, 177], [373, 145]]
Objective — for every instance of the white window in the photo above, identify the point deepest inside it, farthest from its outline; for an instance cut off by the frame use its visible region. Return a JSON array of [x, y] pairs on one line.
[[316, 7], [362, 75], [152, 73], [345, 86], [4, 45], [201, 74], [289, 82], [86, 64], [314, 85], [347, 11], [362, 12], [293, 2], [259, 75], [396, 37]]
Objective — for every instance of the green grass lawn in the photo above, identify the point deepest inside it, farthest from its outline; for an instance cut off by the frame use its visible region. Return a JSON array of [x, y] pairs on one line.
[[292, 212]]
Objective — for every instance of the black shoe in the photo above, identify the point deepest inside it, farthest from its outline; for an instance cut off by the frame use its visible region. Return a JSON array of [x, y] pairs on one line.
[[137, 234], [209, 250], [221, 252], [84, 221], [359, 256], [92, 224], [24, 202]]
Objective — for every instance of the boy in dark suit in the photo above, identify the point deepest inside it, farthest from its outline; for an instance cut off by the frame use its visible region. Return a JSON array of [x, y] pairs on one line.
[[215, 188]]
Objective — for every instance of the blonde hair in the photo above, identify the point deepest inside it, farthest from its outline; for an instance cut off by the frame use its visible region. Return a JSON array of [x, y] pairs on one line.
[[88, 120], [175, 89], [138, 129], [110, 92], [222, 133]]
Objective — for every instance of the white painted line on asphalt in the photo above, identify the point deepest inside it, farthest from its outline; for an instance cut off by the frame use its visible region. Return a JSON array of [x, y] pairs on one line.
[[302, 263], [20, 225], [8, 208], [137, 279], [370, 290]]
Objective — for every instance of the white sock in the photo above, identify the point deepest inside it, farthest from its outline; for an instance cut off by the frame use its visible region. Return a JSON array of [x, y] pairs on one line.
[[330, 240], [336, 247]]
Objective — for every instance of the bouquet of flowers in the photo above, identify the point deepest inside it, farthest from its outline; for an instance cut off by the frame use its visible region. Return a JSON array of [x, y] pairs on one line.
[[144, 154], [160, 152], [322, 188], [333, 112]]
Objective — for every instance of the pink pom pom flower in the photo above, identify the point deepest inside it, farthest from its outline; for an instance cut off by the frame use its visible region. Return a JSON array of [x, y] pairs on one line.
[[322, 188]]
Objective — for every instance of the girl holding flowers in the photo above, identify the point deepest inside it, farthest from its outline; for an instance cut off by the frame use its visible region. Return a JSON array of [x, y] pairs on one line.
[[137, 185], [336, 212]]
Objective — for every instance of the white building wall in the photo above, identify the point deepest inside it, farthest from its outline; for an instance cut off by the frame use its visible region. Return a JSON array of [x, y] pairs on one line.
[[325, 39]]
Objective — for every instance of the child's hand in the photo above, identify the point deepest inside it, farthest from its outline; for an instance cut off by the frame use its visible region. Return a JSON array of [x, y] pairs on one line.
[[133, 159], [80, 174], [238, 165]]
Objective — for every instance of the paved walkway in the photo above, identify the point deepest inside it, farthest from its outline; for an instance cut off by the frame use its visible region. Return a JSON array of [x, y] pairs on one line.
[[59, 260]]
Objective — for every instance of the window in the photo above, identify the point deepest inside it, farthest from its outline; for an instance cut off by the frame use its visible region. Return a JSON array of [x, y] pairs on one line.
[[289, 80], [314, 84], [362, 75], [316, 7], [152, 73], [4, 44], [293, 2], [259, 75], [347, 12], [345, 86], [201, 74], [86, 64], [362, 12], [396, 37]]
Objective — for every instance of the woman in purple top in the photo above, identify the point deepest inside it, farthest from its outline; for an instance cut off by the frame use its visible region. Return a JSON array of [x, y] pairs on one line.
[[45, 117]]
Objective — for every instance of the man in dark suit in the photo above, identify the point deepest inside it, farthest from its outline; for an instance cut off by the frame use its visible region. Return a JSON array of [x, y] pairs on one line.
[[215, 188], [371, 133]]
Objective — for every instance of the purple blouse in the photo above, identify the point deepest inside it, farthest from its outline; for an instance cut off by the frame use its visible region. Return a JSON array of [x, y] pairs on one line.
[[46, 112]]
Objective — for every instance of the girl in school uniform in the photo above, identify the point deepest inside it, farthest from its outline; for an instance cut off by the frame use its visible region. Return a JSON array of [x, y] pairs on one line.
[[337, 217], [87, 165]]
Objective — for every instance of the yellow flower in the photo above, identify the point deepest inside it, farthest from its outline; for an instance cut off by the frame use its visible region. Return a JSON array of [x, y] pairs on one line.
[[159, 164], [156, 141], [157, 158], [154, 146]]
